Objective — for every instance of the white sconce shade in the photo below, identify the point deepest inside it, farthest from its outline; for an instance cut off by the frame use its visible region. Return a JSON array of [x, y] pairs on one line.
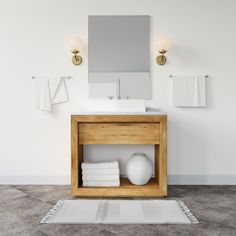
[[75, 43], [163, 44]]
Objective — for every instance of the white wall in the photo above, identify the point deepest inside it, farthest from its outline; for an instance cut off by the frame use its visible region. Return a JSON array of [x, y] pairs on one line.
[[36, 149]]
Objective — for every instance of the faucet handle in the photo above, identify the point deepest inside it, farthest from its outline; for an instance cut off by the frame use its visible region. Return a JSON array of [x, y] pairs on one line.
[[110, 97]]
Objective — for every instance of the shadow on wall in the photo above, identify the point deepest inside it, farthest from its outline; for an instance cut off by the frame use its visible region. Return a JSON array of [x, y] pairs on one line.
[[187, 148], [182, 56], [209, 98]]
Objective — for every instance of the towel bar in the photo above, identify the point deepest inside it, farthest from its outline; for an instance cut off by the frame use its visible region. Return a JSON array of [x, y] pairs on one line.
[[206, 76], [63, 77]]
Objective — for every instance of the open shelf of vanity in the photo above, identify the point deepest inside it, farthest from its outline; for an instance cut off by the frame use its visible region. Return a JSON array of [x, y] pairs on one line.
[[120, 129]]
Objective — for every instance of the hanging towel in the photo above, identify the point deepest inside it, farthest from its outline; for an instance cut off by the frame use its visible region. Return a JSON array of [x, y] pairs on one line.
[[42, 95], [189, 91], [49, 91]]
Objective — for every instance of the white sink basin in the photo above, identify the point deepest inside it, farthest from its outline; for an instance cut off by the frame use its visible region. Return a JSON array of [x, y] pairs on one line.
[[116, 106]]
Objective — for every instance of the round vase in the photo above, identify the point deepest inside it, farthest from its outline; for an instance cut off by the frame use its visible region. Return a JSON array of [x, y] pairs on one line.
[[139, 169]]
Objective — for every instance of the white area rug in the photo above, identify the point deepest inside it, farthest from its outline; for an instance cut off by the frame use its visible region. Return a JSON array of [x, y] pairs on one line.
[[96, 211]]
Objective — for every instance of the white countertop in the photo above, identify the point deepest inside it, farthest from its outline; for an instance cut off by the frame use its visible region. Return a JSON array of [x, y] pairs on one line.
[[120, 113]]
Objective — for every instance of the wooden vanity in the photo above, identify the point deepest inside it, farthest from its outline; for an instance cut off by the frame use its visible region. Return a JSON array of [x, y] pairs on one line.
[[120, 129]]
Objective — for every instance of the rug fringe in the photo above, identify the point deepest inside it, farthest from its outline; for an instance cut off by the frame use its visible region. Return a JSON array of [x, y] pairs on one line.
[[51, 212], [189, 214]]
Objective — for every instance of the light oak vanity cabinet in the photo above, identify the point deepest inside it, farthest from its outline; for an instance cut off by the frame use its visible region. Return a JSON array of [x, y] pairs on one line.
[[120, 129]]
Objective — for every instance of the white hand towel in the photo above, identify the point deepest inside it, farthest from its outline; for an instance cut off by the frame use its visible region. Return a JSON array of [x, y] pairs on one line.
[[100, 165], [101, 177], [189, 91], [58, 90], [42, 95], [112, 171], [49, 91], [101, 183]]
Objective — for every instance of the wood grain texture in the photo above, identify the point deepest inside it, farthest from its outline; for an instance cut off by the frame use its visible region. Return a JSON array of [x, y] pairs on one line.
[[119, 133], [163, 155], [124, 129], [74, 156], [126, 189], [117, 118]]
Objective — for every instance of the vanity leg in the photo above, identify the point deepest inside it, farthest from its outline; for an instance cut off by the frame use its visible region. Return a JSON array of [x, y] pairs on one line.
[[74, 156], [162, 156]]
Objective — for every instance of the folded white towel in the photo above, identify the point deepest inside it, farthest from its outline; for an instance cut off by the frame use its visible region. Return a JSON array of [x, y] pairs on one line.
[[189, 91], [49, 91], [101, 177], [112, 171], [100, 165], [101, 183]]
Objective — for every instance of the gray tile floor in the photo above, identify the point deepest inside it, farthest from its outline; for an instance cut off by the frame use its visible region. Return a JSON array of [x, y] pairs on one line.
[[22, 208]]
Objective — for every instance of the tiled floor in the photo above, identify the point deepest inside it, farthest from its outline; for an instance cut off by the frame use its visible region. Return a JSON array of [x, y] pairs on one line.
[[22, 208]]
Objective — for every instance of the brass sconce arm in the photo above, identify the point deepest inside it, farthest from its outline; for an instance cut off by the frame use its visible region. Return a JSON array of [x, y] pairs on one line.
[[163, 45], [75, 45], [161, 59], [76, 59]]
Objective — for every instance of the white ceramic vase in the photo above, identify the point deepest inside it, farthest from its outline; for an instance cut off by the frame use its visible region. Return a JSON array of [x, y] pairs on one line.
[[139, 169]]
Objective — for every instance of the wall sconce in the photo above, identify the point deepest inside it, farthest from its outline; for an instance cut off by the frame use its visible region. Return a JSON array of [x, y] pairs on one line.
[[75, 44], [163, 46]]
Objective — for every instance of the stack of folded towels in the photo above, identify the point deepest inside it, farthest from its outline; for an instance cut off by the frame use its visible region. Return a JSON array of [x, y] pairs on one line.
[[100, 174]]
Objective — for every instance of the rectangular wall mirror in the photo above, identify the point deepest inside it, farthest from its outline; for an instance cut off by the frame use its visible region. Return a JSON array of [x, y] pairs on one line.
[[118, 53]]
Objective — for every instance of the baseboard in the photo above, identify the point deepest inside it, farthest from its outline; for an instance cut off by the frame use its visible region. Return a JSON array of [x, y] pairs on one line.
[[202, 179], [35, 180], [172, 180]]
